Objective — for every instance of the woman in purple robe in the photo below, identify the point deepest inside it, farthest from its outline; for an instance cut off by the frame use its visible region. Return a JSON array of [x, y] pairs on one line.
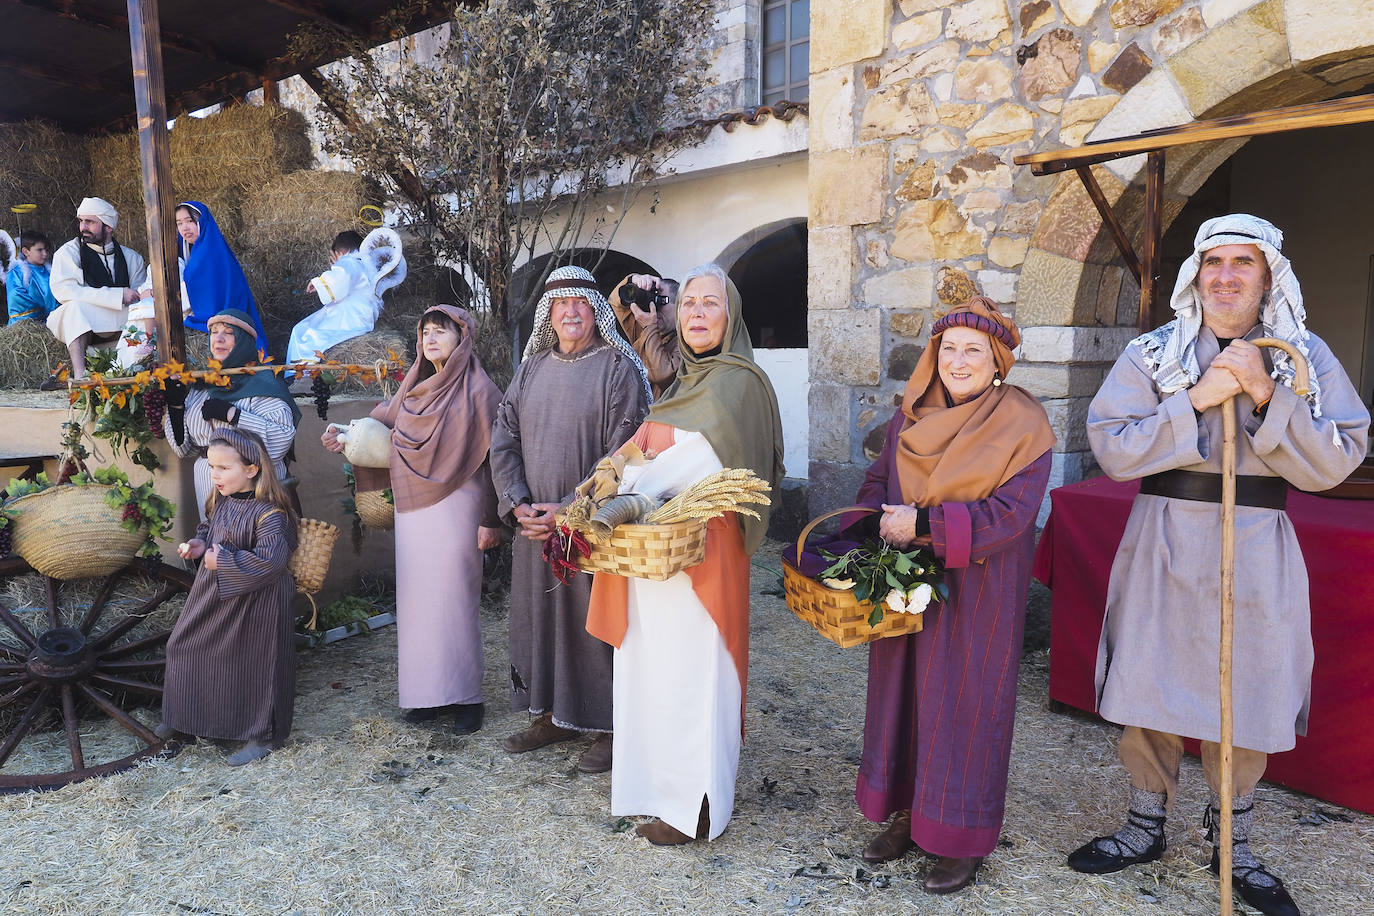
[[963, 472]]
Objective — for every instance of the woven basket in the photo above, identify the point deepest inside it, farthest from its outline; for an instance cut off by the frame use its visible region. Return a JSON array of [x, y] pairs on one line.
[[835, 613], [314, 546], [71, 532], [375, 510], [654, 552]]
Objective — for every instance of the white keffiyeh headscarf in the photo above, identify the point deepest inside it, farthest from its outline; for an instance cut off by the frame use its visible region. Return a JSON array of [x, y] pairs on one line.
[[1170, 351], [575, 281]]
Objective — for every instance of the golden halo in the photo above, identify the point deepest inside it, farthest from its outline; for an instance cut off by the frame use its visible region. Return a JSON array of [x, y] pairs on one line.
[[362, 216], [23, 208]]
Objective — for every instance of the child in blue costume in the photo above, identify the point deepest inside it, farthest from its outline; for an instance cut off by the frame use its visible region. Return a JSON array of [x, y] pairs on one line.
[[27, 287]]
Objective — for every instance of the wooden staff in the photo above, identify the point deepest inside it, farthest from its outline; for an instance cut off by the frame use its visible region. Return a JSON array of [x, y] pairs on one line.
[[1228, 597], [380, 369]]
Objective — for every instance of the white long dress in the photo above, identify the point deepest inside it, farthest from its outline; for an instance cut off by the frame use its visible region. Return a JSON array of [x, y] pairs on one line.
[[351, 306], [677, 691]]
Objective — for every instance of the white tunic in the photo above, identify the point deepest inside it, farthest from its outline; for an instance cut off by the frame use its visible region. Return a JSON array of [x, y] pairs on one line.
[[677, 693], [83, 308], [351, 307]]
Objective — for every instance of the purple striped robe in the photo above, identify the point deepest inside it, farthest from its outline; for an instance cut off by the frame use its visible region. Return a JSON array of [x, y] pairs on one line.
[[941, 702]]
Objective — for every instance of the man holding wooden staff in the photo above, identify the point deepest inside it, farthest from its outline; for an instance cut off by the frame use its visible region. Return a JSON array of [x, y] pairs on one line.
[[1158, 417]]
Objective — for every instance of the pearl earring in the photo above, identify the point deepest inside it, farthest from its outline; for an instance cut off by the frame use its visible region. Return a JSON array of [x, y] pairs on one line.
[[997, 380]]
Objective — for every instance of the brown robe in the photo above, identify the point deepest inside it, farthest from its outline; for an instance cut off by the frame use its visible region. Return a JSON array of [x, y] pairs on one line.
[[231, 658]]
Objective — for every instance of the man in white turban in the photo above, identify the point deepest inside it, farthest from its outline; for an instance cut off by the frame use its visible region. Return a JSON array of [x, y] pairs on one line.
[[94, 280], [1158, 417]]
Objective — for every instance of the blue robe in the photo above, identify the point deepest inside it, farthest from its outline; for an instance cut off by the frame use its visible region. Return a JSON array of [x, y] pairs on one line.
[[28, 292], [214, 280]]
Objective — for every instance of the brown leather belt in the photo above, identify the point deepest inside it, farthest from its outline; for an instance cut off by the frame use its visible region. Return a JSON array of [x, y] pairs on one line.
[[1261, 492]]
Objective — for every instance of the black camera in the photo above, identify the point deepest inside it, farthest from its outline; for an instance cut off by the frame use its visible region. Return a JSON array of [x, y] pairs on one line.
[[646, 299]]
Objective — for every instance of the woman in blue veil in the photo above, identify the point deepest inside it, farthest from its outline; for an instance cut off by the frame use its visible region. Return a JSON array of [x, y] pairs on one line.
[[213, 279]]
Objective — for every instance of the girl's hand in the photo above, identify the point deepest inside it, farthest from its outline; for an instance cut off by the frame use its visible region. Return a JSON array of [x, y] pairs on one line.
[[211, 557], [191, 550], [330, 440], [487, 538]]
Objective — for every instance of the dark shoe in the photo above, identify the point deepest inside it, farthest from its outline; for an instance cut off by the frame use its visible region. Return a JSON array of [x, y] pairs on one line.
[[597, 758], [660, 834], [539, 734], [949, 874], [1271, 900], [468, 718], [1106, 854], [892, 843], [167, 733], [424, 714], [250, 751]]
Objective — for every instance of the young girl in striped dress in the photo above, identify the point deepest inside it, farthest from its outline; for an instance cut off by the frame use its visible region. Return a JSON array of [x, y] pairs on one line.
[[231, 664]]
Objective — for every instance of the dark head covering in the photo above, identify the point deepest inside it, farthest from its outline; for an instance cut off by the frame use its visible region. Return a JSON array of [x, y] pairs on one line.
[[440, 421], [727, 398], [214, 280], [245, 353]]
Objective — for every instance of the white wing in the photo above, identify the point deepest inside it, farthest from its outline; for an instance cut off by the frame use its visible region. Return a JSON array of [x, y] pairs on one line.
[[384, 259], [9, 254]]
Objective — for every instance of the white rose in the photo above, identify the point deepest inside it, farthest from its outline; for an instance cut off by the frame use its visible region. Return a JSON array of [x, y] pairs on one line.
[[896, 601], [919, 598], [838, 584]]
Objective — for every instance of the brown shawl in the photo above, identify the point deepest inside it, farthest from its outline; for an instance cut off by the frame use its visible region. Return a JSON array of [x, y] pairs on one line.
[[950, 452], [440, 421]]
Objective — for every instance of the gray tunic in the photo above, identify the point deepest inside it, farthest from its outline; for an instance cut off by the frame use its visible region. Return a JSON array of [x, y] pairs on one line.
[[1157, 660], [560, 416]]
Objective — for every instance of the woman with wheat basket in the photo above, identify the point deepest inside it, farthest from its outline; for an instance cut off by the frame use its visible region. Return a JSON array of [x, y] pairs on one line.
[[963, 471], [682, 644]]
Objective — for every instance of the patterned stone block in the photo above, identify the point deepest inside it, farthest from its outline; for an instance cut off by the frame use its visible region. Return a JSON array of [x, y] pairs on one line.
[[1239, 53]]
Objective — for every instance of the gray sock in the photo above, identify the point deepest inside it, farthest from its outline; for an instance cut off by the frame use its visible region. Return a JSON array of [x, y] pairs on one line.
[[1244, 865], [1144, 825]]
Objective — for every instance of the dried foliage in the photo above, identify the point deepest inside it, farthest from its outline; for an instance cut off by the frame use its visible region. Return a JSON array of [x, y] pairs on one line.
[[501, 144]]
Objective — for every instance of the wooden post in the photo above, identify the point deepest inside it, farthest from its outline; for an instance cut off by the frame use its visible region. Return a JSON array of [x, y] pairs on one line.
[[1153, 233], [154, 153], [271, 95]]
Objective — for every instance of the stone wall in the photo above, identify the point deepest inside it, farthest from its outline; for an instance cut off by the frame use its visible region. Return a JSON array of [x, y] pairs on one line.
[[918, 108]]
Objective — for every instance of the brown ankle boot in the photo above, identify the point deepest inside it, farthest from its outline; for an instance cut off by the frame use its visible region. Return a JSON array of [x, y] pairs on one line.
[[660, 833], [597, 758], [892, 843], [541, 732], [949, 874]]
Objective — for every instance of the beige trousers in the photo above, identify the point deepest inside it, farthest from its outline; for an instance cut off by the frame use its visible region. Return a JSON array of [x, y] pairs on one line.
[[1152, 758]]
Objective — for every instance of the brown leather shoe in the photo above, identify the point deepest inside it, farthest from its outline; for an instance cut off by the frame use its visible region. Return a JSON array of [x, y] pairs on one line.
[[597, 758], [892, 843], [949, 874], [540, 733], [661, 834]]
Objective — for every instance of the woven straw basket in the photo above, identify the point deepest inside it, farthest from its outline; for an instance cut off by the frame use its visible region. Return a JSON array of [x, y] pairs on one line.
[[70, 532], [836, 613], [375, 510], [314, 546], [654, 552]]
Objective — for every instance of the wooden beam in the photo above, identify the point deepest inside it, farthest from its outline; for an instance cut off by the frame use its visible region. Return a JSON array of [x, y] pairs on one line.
[[1354, 110], [1104, 210], [52, 73], [110, 21], [154, 152], [1153, 231], [313, 10]]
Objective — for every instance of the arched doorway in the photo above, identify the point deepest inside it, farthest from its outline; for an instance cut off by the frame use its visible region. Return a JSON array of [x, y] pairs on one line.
[[770, 272]]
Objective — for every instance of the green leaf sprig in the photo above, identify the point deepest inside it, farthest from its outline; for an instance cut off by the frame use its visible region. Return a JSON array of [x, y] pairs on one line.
[[877, 568]]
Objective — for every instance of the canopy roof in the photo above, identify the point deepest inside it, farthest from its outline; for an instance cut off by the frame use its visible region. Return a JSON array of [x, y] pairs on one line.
[[68, 61]]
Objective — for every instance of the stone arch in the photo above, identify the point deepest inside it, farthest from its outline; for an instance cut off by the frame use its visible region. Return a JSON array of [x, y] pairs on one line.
[[768, 265], [1274, 54]]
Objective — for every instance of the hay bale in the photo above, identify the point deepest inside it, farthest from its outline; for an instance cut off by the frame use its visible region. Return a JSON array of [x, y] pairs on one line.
[[197, 348], [289, 222], [29, 353], [42, 165], [365, 350], [217, 160]]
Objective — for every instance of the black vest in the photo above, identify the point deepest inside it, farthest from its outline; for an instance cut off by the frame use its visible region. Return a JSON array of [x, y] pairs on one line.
[[94, 271]]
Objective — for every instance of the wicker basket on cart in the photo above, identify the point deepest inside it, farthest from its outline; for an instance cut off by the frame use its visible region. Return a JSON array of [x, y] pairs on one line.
[[71, 532], [654, 552], [835, 613], [309, 564], [375, 510]]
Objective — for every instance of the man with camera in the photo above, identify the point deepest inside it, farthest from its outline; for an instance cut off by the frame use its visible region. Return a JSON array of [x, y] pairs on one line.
[[646, 307]]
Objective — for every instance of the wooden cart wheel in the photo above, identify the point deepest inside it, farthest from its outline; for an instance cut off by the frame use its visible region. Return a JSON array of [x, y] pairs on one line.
[[78, 659]]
